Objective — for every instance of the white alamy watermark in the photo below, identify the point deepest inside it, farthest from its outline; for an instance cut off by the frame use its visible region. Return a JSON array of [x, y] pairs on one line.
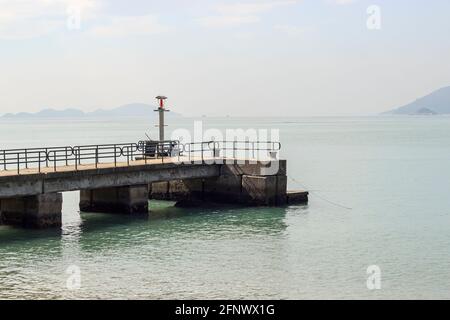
[[374, 277], [374, 17], [230, 146], [73, 21], [73, 282]]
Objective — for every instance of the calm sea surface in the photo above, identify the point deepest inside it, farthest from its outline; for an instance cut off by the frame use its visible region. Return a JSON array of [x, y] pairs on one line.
[[380, 195]]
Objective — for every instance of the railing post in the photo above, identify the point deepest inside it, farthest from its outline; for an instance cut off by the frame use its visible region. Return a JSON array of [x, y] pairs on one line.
[[26, 159], [202, 152], [76, 160], [132, 152], [189, 152], [54, 160], [247, 148], [115, 156], [234, 149], [158, 151], [39, 162], [143, 154], [46, 157], [67, 160], [4, 159], [96, 157], [18, 163]]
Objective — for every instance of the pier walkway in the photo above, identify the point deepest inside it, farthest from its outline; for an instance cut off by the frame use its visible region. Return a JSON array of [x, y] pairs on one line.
[[120, 178]]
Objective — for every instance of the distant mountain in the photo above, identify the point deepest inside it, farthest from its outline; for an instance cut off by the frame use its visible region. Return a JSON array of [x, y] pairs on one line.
[[426, 111], [438, 102], [48, 113], [129, 110]]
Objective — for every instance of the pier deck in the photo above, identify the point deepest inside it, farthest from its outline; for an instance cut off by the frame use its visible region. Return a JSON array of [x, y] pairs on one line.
[[91, 166], [121, 178], [90, 176]]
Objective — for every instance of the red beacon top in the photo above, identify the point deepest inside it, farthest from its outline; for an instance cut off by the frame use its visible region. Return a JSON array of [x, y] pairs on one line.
[[161, 101]]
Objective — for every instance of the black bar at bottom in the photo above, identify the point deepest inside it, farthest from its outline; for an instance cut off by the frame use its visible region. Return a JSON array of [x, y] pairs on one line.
[[217, 309]]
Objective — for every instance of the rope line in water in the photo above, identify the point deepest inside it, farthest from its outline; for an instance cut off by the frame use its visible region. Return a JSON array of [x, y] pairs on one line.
[[313, 192]]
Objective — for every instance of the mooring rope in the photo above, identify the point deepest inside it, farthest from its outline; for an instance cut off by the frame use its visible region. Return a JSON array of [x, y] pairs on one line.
[[313, 192]]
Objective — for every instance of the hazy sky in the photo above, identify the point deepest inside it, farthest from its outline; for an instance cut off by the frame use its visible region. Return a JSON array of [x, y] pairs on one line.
[[256, 57]]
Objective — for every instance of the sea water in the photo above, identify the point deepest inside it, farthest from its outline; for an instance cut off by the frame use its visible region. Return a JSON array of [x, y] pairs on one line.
[[379, 197]]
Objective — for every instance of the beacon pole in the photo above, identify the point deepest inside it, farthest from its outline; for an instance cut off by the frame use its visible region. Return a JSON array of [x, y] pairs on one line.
[[161, 109]]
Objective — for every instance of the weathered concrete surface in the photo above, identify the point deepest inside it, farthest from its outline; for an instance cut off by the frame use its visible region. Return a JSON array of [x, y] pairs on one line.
[[297, 197], [223, 189], [257, 184], [248, 167], [107, 188], [160, 191], [40, 211], [177, 190], [17, 186], [264, 190], [52, 182], [125, 200]]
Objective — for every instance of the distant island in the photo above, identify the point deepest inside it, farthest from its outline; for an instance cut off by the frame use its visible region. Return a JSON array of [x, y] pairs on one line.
[[438, 102], [128, 110]]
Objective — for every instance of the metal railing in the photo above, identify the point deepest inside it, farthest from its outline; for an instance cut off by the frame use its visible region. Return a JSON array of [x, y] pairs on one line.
[[230, 149], [26, 158], [160, 149], [54, 157], [77, 156], [81, 155]]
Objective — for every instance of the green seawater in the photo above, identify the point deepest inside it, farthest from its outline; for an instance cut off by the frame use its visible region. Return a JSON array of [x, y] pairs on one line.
[[379, 196]]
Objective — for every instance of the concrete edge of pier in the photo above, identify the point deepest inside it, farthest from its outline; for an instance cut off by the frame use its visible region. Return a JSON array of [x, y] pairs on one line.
[[35, 200]]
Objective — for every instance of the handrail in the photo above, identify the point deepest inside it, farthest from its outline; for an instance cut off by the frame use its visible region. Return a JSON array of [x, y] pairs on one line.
[[20, 159], [236, 146]]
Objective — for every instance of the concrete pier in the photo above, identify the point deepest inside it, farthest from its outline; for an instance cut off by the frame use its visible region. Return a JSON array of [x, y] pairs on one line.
[[33, 199], [267, 191], [39, 211], [248, 183], [297, 197], [123, 200], [175, 190]]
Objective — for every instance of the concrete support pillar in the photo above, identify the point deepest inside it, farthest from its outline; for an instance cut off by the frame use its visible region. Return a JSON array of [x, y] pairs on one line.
[[258, 184], [125, 200], [224, 189], [264, 190], [255, 184], [177, 190], [40, 211]]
